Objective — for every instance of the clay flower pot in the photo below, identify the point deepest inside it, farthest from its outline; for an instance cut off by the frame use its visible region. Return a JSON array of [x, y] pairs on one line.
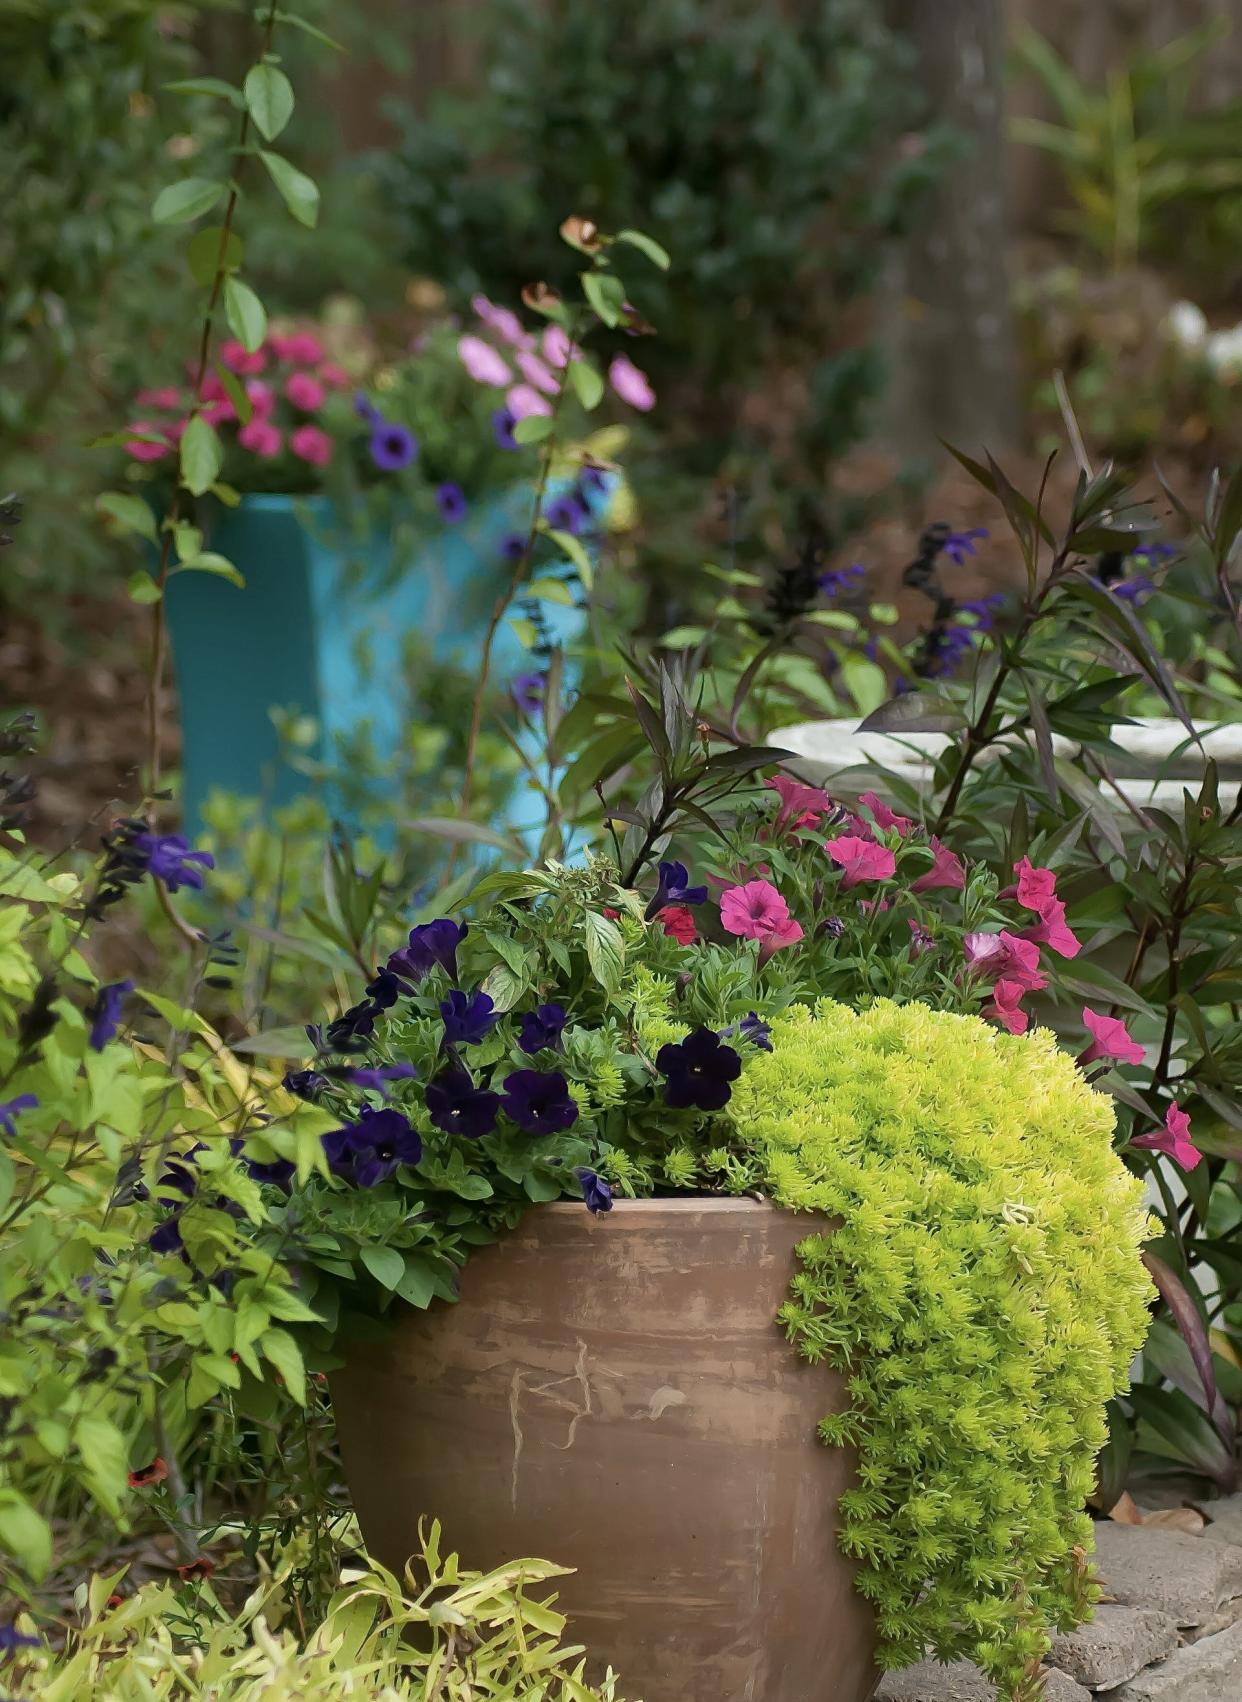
[[614, 1394]]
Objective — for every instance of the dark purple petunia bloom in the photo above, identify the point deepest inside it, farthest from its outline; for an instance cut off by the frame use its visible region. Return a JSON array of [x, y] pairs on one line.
[[10, 1108], [753, 1028], [377, 1080], [542, 1028], [512, 547], [451, 501], [392, 446], [369, 1151], [304, 1084], [539, 1103], [674, 888], [833, 580], [430, 943], [166, 1237], [385, 989], [179, 1173], [105, 1012], [278, 1171], [352, 1030], [503, 422], [468, 1017], [167, 857], [699, 1071], [528, 690], [595, 1191], [366, 410], [11, 1639], [566, 514], [958, 545], [459, 1107]]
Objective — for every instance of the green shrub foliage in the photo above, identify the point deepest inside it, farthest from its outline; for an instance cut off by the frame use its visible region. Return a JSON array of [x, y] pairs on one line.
[[983, 1295]]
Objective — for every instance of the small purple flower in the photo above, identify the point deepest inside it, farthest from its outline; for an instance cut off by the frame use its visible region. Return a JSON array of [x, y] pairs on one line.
[[451, 501], [352, 1030], [1134, 590], [528, 691], [595, 1191], [304, 1084], [674, 888], [430, 943], [593, 480], [11, 1639], [833, 580], [369, 1151], [10, 1108], [385, 989], [698, 1072], [468, 1017], [366, 410], [542, 1029], [753, 1028], [392, 446], [167, 857], [958, 545], [377, 1080], [512, 547], [458, 1107], [105, 1012], [566, 514], [539, 1103], [503, 422]]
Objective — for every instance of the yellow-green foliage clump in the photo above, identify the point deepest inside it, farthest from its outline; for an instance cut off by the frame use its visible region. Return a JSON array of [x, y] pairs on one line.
[[984, 1295]]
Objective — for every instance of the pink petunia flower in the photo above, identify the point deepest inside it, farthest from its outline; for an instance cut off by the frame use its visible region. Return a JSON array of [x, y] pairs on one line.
[[556, 347], [1174, 1139], [305, 391], [218, 413], [1005, 1006], [754, 910], [261, 437], [1053, 931], [168, 397], [884, 817], [303, 347], [262, 398], [784, 934], [801, 805], [860, 860], [212, 388], [524, 400], [142, 451], [1036, 887], [502, 320], [535, 372], [334, 375], [238, 359], [946, 870], [1004, 956], [1110, 1039], [630, 383], [678, 923], [312, 445], [484, 363]]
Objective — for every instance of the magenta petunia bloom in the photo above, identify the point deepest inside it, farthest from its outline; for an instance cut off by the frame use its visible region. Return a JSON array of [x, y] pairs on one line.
[[1053, 931], [312, 445], [884, 817], [556, 347], [1109, 1039], [946, 870], [535, 372], [1005, 1006], [305, 391], [630, 383], [261, 437], [168, 397], [240, 360], [1037, 888], [754, 911], [484, 364], [1174, 1139], [139, 448], [801, 805], [860, 860], [262, 398], [502, 320], [334, 375], [523, 400], [218, 413], [301, 346], [1004, 956]]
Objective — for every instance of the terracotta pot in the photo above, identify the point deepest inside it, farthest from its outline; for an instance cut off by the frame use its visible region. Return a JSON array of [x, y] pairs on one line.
[[613, 1394]]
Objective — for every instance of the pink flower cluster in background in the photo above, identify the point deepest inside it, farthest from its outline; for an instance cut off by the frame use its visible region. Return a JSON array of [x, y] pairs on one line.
[[527, 369], [287, 381]]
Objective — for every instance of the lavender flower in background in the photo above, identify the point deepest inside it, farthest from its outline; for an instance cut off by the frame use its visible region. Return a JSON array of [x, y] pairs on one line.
[[595, 1191], [528, 693], [11, 1108], [366, 410], [451, 501], [566, 514], [833, 580], [542, 1029], [503, 422], [167, 858], [958, 545], [954, 642], [512, 547], [11, 1639], [392, 447], [468, 1017], [539, 1103], [105, 1013], [458, 1107], [593, 480]]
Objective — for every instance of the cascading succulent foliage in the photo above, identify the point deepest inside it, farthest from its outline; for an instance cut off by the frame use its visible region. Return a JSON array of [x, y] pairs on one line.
[[983, 1293]]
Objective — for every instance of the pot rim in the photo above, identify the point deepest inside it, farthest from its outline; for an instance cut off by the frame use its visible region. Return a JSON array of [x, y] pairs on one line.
[[721, 1204]]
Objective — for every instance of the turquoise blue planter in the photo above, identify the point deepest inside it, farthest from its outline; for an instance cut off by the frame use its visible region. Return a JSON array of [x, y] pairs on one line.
[[322, 628]]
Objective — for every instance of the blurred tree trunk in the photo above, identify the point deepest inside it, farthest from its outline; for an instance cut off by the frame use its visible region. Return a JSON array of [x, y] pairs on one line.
[[952, 342]]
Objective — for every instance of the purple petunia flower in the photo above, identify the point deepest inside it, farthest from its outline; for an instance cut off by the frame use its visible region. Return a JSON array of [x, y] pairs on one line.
[[458, 1107], [674, 888], [595, 1191], [10, 1108], [278, 1171], [699, 1071], [430, 943], [566, 514], [385, 988], [166, 1237], [366, 410], [753, 1028], [468, 1017], [542, 1029], [958, 545], [539, 1103], [304, 1084], [392, 446], [451, 501], [593, 480], [352, 1030], [369, 1151], [167, 858], [528, 692], [105, 1012], [503, 422], [377, 1080]]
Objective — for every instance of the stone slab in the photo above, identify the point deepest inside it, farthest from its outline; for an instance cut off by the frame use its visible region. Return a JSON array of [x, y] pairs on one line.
[[1118, 1643], [961, 1681], [1179, 1575], [1207, 1671], [1226, 1517]]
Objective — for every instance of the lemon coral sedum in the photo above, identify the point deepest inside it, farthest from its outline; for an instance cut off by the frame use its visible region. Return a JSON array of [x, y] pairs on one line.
[[983, 1294]]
